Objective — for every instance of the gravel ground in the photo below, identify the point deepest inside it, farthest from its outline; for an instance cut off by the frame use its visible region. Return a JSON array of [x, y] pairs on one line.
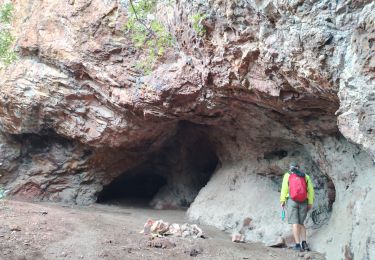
[[53, 231]]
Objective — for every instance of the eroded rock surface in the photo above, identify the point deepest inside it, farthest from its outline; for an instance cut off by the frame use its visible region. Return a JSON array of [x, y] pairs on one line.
[[269, 82]]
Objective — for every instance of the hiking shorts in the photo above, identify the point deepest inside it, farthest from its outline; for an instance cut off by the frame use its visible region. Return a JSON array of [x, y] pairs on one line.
[[297, 212]]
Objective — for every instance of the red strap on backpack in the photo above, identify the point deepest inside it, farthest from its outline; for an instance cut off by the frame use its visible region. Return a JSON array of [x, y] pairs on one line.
[[297, 187]]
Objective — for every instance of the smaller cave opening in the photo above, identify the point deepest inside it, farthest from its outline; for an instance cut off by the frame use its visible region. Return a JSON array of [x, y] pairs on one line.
[[277, 154], [169, 178], [32, 143], [331, 193], [275, 161], [325, 196]]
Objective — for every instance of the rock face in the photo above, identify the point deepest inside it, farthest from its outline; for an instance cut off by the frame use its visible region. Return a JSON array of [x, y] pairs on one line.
[[268, 83]]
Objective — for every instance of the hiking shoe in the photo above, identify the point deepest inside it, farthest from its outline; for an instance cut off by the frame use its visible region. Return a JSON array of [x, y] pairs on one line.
[[298, 248], [305, 246]]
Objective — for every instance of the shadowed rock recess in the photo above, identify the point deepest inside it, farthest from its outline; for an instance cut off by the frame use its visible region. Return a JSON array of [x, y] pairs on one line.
[[215, 124]]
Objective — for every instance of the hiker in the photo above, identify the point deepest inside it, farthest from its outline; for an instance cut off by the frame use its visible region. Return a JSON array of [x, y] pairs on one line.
[[297, 193]]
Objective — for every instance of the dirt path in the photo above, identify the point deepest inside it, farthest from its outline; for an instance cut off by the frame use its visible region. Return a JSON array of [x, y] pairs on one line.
[[50, 231]]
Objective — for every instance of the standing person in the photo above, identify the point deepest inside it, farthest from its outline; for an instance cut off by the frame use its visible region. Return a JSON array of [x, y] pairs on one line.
[[297, 193]]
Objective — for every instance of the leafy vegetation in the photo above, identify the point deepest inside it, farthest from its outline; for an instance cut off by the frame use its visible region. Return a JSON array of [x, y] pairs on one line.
[[150, 35], [7, 54], [147, 33], [197, 20], [6, 13]]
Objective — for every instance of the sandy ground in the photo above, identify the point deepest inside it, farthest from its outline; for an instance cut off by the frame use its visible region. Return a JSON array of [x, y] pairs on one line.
[[51, 231]]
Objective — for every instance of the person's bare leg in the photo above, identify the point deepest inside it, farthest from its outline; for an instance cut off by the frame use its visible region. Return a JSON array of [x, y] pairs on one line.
[[302, 233], [296, 233], [305, 246]]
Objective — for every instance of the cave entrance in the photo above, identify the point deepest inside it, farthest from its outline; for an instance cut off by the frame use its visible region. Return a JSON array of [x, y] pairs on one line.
[[171, 177], [132, 187]]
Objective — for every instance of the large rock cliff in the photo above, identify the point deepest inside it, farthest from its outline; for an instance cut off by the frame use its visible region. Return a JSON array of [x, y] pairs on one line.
[[267, 83]]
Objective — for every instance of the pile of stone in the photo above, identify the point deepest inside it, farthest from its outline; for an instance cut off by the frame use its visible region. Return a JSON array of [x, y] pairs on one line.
[[159, 228]]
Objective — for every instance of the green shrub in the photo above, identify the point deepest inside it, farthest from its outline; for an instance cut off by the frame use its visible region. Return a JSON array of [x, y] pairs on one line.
[[147, 33], [7, 54], [6, 13], [196, 20]]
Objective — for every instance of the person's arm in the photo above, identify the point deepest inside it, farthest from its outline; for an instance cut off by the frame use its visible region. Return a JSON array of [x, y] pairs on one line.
[[284, 189], [310, 192]]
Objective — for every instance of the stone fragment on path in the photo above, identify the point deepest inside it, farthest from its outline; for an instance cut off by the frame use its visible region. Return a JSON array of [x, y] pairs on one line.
[[175, 230], [159, 227], [279, 242], [193, 252], [191, 231], [15, 228], [238, 238], [147, 227], [162, 243]]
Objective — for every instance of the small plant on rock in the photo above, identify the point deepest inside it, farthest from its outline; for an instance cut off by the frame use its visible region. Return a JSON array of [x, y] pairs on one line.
[[7, 54], [196, 21], [147, 33], [6, 13]]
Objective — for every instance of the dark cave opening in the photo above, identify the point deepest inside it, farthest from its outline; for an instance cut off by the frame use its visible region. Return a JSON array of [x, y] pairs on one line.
[[170, 177], [143, 186]]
